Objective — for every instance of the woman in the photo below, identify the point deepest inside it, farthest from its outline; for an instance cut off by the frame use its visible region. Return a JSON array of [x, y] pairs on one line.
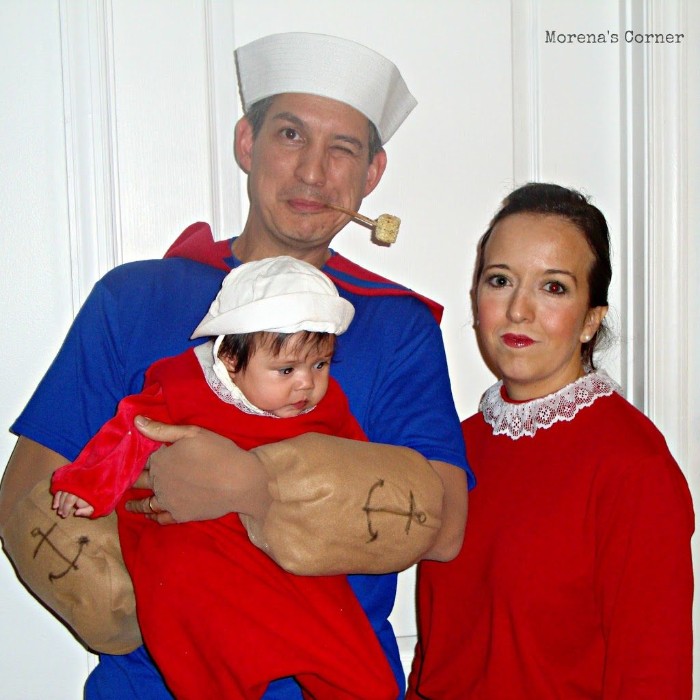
[[575, 578]]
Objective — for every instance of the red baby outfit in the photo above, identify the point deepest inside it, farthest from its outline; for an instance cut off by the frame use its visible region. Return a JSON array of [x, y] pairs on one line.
[[219, 617], [575, 579]]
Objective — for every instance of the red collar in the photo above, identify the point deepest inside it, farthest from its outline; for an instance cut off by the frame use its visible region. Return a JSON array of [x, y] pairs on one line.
[[197, 243]]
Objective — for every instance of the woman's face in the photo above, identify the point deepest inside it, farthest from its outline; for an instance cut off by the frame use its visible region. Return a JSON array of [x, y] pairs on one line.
[[532, 303]]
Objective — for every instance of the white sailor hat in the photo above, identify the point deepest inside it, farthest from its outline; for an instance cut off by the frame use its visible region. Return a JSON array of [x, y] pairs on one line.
[[278, 295], [327, 66]]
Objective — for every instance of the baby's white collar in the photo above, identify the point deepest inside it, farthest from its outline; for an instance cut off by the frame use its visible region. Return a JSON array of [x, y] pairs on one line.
[[220, 383]]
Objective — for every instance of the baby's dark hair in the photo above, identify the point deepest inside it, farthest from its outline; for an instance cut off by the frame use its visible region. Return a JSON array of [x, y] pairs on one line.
[[240, 347]]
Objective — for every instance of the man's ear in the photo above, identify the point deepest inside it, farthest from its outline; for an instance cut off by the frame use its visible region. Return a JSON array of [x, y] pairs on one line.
[[243, 144], [375, 171]]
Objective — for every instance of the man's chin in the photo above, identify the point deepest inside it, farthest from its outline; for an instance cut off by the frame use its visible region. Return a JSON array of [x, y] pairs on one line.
[[309, 238]]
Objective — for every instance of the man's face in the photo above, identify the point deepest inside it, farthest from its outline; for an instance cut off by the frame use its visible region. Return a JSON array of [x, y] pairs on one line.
[[310, 151]]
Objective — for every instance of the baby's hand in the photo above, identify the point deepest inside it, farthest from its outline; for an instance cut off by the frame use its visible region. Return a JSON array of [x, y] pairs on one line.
[[64, 503]]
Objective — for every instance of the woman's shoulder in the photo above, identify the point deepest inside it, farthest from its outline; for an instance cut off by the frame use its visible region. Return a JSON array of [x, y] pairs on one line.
[[625, 427], [628, 453], [474, 425]]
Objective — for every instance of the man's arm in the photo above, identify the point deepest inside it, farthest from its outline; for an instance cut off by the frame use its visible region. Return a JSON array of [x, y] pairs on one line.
[[455, 505], [73, 565], [316, 504]]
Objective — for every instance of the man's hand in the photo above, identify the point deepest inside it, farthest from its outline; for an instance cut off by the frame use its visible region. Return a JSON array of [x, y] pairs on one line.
[[199, 476]]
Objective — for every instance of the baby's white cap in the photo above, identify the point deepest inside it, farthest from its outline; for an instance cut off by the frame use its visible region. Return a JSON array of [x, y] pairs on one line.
[[278, 295]]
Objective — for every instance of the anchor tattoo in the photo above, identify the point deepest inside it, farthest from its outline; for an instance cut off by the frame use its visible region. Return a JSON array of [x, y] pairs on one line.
[[83, 541], [411, 515]]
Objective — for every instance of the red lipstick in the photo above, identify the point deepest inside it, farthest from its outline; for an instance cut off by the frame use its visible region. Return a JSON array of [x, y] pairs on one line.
[[517, 341]]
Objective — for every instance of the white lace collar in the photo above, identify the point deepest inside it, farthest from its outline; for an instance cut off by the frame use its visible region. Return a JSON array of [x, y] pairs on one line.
[[227, 391], [524, 419], [216, 376]]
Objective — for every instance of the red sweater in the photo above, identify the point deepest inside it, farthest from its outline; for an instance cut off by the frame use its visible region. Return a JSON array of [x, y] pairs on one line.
[[575, 579]]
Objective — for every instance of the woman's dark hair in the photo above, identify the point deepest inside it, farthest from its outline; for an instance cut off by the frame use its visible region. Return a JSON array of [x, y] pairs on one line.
[[553, 200], [240, 347]]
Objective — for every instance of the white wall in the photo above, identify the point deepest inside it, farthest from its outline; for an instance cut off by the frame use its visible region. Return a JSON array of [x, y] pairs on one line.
[[38, 657], [117, 120], [691, 419]]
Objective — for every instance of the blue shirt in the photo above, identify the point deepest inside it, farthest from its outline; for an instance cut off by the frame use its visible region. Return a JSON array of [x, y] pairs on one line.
[[390, 363]]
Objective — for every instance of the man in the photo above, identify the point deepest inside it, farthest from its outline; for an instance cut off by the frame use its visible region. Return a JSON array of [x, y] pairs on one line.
[[318, 111]]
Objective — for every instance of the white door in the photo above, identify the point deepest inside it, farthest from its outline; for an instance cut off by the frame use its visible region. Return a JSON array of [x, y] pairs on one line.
[[117, 120]]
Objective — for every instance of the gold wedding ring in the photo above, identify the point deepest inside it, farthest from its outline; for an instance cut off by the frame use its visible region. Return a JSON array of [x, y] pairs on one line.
[[150, 506]]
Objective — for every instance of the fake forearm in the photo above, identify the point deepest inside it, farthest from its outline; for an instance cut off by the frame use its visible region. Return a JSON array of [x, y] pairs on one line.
[[75, 567], [343, 506]]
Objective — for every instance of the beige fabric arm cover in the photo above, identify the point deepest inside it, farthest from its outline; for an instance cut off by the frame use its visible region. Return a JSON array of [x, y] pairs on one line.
[[342, 506], [75, 567]]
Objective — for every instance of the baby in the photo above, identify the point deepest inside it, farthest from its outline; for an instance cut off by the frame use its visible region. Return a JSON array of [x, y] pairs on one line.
[[220, 618]]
